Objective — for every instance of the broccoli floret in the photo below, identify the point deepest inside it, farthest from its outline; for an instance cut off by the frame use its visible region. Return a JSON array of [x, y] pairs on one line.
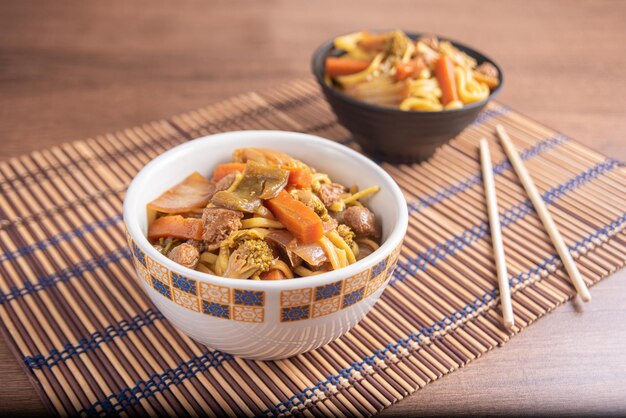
[[346, 233], [319, 208], [312, 201], [399, 43], [236, 237], [252, 256]]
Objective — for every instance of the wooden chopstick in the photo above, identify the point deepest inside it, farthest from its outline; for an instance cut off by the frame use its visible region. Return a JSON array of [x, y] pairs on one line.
[[496, 234], [544, 215]]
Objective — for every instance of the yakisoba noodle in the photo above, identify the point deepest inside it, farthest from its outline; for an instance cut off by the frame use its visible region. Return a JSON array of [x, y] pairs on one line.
[[263, 216], [390, 69]]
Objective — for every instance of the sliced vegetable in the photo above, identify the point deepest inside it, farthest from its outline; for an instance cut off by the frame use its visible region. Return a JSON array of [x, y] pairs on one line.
[[312, 253], [192, 193], [299, 173], [352, 79], [273, 274], [349, 42], [225, 169], [444, 71], [299, 176], [375, 42], [343, 66], [297, 217], [265, 156], [284, 242], [411, 69], [236, 201], [177, 227], [259, 182]]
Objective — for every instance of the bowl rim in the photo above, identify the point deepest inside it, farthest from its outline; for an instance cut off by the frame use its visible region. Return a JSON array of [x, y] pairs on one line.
[[327, 46], [394, 238]]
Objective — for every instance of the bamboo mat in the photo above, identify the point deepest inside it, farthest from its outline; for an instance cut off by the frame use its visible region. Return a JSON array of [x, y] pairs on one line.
[[93, 344]]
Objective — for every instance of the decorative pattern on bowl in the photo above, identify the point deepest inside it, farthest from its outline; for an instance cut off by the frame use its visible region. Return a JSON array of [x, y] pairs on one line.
[[249, 305], [313, 302]]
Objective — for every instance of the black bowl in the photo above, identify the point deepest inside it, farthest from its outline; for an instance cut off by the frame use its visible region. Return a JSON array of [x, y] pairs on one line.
[[393, 134]]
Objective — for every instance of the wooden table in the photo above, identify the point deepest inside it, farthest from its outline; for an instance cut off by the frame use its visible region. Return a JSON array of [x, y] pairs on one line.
[[73, 69]]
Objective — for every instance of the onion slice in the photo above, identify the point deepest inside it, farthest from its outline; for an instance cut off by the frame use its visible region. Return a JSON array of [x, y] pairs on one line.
[[192, 193]]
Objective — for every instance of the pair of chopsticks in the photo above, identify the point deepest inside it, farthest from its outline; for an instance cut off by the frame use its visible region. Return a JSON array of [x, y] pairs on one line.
[[544, 216]]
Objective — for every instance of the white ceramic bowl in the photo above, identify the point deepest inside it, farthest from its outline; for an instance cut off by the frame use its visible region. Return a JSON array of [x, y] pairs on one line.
[[264, 319]]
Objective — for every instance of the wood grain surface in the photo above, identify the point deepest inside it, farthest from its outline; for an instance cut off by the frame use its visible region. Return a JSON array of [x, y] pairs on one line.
[[70, 70]]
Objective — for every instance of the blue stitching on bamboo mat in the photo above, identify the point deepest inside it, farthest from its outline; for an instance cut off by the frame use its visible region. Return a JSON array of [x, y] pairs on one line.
[[157, 383], [119, 329], [58, 238], [44, 282], [450, 246], [430, 256], [461, 186]]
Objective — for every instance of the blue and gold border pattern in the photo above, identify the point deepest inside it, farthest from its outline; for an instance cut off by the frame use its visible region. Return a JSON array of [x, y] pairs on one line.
[[249, 305], [210, 299], [313, 302]]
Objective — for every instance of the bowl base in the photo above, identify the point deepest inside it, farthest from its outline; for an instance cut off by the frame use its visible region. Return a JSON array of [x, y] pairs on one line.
[[404, 157]]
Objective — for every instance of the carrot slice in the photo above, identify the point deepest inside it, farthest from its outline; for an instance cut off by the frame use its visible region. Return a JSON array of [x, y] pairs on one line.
[[175, 227], [336, 66], [273, 274], [409, 69], [297, 217], [299, 176], [192, 193], [444, 71], [223, 170]]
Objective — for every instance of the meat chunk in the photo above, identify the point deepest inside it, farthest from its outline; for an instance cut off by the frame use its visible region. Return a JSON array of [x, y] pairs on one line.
[[200, 245], [362, 221], [331, 193], [218, 224], [222, 184], [488, 69], [225, 182], [185, 254]]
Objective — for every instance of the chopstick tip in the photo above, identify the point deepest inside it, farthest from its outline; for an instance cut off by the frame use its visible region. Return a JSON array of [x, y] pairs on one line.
[[586, 296], [500, 131]]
